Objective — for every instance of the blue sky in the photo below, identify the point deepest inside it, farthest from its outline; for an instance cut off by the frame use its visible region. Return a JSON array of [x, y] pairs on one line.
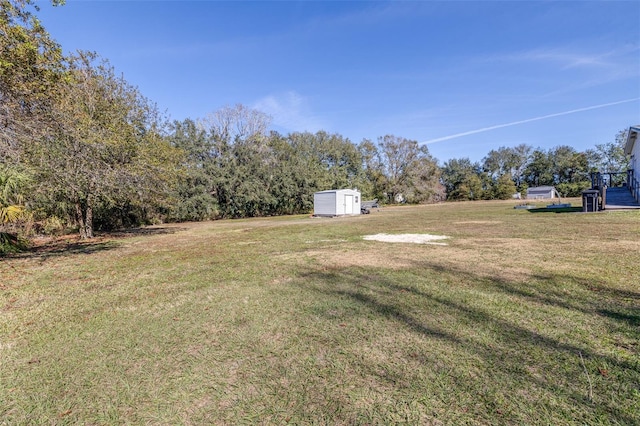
[[462, 77]]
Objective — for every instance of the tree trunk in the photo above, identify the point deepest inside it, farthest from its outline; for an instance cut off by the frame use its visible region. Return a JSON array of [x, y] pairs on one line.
[[88, 222], [80, 219], [84, 216]]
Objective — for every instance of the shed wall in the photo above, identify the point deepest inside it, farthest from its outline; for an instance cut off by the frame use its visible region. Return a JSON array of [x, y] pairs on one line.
[[324, 204], [635, 159], [542, 193]]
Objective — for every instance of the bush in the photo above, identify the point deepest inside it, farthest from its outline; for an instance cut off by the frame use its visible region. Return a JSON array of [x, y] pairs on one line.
[[10, 243], [572, 189], [52, 225]]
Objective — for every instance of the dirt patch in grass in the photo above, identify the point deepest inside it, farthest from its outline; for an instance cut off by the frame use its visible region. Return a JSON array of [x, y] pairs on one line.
[[408, 238], [479, 222]]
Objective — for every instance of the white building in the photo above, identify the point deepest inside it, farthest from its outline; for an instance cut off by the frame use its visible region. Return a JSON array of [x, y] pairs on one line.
[[542, 192], [336, 202], [632, 148]]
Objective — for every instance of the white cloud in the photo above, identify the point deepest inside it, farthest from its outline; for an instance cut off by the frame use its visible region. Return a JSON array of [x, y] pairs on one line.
[[291, 111], [574, 58]]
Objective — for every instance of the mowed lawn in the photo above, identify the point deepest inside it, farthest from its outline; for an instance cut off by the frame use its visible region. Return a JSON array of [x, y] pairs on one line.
[[522, 318]]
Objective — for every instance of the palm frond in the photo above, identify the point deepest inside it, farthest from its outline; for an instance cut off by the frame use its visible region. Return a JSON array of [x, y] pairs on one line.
[[10, 214]]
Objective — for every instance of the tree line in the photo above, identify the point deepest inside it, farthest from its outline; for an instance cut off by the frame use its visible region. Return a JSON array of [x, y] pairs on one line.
[[80, 147], [510, 170], [233, 167]]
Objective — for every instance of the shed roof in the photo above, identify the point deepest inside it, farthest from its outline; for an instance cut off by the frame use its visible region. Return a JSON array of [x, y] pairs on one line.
[[632, 136], [541, 189], [336, 190]]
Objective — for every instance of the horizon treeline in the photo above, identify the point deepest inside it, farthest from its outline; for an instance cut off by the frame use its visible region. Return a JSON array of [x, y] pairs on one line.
[[82, 148]]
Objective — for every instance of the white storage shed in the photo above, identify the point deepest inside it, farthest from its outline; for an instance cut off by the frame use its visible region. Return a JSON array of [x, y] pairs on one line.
[[336, 202], [542, 192]]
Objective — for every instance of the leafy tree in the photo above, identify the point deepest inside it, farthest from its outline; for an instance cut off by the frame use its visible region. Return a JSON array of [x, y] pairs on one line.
[[237, 161], [610, 157], [244, 188], [506, 160], [568, 165], [471, 188], [410, 171], [31, 65], [195, 200], [106, 150], [504, 187], [563, 167], [237, 123], [461, 179], [305, 163], [373, 186], [499, 162], [570, 170], [340, 160], [521, 158], [293, 175], [539, 170]]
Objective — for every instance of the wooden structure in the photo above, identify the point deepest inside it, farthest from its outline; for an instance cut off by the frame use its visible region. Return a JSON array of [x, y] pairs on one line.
[[613, 192]]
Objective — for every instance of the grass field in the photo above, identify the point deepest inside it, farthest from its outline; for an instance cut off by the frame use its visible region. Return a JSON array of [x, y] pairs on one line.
[[522, 318]]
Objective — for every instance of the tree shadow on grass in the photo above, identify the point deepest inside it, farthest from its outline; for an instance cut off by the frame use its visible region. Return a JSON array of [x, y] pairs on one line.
[[596, 297], [556, 210], [155, 230], [632, 319], [72, 245], [510, 347]]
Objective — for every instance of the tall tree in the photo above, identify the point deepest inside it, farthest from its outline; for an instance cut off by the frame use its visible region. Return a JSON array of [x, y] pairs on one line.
[[308, 162], [195, 191], [412, 173], [106, 149], [570, 170], [293, 175], [375, 180], [539, 171], [610, 157], [507, 160], [504, 187], [461, 179], [31, 65], [340, 161], [522, 156], [238, 122], [239, 158]]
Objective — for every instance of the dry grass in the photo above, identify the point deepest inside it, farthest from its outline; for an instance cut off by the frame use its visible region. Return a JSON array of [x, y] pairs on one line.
[[523, 318]]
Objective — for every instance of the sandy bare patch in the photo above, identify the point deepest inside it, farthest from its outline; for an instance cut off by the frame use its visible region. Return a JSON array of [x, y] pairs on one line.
[[408, 238], [478, 222]]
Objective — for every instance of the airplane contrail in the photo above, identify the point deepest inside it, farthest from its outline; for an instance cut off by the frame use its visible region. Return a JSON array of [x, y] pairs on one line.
[[528, 120]]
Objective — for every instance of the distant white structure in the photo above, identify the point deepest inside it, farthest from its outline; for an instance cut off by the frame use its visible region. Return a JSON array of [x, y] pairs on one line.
[[542, 193], [336, 202]]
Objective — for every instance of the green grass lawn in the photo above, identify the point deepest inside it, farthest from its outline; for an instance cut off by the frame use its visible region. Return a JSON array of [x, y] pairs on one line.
[[522, 318]]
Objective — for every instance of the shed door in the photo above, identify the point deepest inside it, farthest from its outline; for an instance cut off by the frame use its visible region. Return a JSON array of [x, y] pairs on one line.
[[348, 204]]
